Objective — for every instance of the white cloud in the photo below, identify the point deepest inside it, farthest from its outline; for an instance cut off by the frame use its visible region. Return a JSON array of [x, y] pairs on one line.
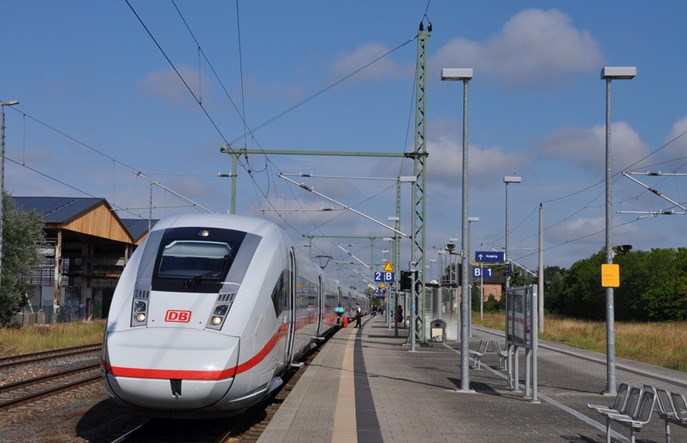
[[446, 158], [255, 90], [677, 140], [535, 47], [586, 148], [350, 62], [166, 84]]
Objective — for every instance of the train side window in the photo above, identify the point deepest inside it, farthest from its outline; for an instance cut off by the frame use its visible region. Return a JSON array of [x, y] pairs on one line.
[[280, 294]]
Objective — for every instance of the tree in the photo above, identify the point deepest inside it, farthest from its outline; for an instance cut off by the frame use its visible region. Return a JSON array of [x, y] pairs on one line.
[[652, 285], [583, 296], [22, 232], [554, 285]]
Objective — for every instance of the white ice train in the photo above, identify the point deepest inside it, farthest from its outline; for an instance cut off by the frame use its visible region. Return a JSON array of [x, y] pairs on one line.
[[209, 313]]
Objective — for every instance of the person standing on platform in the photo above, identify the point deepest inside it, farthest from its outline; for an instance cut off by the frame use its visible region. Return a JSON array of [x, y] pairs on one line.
[[399, 315], [339, 310], [358, 315]]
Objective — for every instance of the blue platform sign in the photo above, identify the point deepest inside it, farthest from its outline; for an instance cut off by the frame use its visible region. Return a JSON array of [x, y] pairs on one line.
[[482, 272], [388, 277], [490, 256]]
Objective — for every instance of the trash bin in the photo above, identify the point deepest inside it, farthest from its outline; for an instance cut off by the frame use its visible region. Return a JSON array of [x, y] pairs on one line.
[[438, 330]]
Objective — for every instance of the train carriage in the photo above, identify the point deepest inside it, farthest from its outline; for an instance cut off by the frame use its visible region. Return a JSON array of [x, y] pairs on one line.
[[209, 313]]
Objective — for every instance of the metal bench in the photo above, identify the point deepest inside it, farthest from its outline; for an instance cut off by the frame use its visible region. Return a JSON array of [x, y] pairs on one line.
[[638, 419], [672, 409], [630, 405], [679, 403], [619, 403], [502, 352], [477, 355]]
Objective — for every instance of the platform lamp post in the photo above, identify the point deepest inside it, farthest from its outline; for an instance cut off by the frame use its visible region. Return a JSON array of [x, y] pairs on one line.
[[2, 174], [609, 74], [468, 285], [508, 180], [464, 75], [507, 271]]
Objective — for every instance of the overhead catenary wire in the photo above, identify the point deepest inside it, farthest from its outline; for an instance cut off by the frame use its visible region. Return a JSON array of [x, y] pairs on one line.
[[199, 99], [242, 114], [84, 145], [518, 228], [616, 177], [62, 182], [326, 88], [181, 78]]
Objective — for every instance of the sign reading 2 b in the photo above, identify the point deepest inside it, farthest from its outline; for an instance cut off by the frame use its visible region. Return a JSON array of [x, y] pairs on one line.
[[385, 276]]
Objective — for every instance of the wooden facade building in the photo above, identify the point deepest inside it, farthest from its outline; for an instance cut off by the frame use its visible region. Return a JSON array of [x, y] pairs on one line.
[[86, 248]]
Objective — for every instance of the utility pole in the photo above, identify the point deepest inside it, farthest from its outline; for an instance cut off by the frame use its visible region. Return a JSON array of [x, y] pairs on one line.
[[2, 171], [417, 253]]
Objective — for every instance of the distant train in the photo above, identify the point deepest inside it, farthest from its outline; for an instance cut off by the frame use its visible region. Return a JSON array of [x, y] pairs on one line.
[[209, 313]]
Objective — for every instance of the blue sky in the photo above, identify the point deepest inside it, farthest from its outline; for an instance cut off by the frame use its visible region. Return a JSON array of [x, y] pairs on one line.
[[99, 101]]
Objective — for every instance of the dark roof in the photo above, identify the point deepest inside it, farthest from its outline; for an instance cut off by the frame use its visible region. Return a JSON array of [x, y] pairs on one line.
[[137, 227], [57, 209]]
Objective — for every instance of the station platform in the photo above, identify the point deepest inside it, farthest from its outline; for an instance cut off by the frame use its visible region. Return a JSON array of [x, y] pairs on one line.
[[366, 385]]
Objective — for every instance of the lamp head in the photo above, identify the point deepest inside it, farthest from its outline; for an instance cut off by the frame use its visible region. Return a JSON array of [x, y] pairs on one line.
[[618, 72], [456, 74], [512, 179]]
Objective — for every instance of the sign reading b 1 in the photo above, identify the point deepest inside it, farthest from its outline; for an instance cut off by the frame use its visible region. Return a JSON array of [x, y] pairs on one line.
[[482, 272], [490, 256]]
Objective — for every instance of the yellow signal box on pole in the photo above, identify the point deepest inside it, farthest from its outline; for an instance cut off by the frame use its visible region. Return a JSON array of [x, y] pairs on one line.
[[388, 267], [610, 275]]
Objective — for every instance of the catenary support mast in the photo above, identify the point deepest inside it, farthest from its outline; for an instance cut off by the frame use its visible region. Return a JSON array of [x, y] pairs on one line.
[[417, 253]]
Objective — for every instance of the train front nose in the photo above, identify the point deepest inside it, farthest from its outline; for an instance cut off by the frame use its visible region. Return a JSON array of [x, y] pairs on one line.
[[170, 369]]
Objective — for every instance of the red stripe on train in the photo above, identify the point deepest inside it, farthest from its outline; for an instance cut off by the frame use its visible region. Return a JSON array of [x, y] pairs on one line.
[[166, 374]]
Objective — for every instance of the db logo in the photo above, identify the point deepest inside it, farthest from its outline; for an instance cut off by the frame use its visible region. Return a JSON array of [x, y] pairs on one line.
[[178, 316]]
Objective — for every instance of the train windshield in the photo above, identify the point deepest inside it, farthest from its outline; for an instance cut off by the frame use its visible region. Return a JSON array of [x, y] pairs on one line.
[[184, 258], [195, 259]]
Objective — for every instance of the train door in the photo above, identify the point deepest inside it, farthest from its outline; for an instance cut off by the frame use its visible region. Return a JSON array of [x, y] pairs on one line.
[[290, 308]]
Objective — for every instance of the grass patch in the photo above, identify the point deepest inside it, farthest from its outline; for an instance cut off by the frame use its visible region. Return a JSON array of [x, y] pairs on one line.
[[661, 344], [52, 336]]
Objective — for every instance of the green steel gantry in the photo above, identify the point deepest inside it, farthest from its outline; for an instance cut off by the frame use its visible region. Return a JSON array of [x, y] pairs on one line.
[[419, 201], [419, 156]]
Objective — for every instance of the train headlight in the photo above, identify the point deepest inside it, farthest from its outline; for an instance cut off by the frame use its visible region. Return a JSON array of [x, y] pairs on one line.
[[139, 308], [221, 310], [218, 315]]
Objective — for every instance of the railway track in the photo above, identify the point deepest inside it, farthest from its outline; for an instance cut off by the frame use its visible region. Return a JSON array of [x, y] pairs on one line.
[[30, 377], [23, 359]]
